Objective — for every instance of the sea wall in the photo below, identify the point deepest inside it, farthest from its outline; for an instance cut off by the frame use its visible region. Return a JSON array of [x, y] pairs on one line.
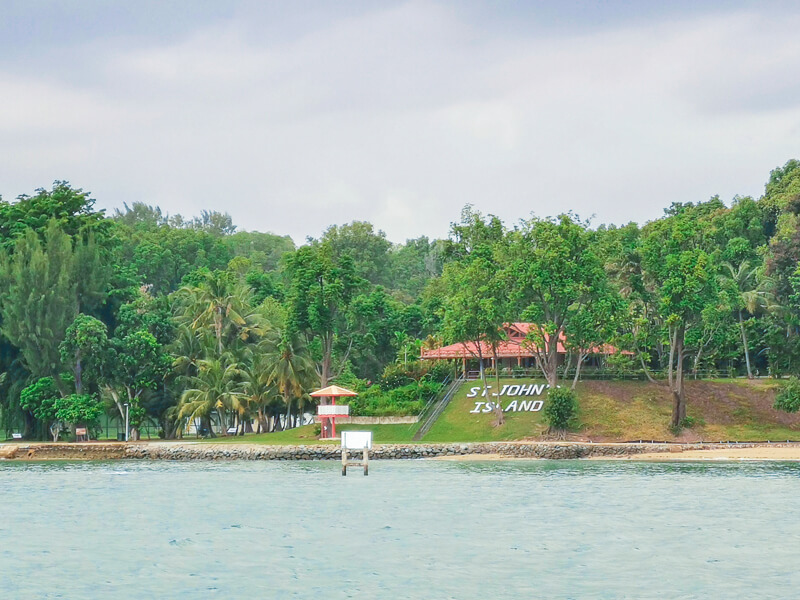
[[210, 451], [387, 451]]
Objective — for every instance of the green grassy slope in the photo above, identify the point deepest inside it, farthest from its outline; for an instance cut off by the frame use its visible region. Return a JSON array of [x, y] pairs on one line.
[[737, 410]]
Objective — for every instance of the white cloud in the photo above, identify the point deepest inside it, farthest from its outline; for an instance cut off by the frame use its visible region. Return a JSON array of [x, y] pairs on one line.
[[403, 115]]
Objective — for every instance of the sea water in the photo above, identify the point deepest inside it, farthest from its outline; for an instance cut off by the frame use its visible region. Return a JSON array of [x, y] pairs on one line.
[[412, 529]]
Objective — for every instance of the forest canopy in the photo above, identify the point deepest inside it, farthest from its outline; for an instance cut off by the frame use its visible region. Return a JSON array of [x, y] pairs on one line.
[[188, 320]]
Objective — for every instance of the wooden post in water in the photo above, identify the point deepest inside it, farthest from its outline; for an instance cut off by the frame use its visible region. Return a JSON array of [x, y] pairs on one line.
[[356, 440]]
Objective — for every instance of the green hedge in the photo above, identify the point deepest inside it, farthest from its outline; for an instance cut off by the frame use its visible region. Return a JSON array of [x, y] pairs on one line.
[[401, 401]]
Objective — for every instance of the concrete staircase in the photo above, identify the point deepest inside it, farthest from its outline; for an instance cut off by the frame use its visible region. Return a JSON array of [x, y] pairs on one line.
[[436, 407]]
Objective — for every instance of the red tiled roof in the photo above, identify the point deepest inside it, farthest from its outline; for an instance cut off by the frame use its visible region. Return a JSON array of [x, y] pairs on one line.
[[515, 346]]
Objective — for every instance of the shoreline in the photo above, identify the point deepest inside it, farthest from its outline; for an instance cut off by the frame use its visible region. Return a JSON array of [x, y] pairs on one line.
[[468, 451]]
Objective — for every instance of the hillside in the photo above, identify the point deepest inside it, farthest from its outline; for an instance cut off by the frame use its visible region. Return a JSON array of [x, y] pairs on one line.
[[610, 411], [737, 410]]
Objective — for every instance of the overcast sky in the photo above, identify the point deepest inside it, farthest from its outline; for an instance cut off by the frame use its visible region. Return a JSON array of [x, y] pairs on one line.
[[295, 115]]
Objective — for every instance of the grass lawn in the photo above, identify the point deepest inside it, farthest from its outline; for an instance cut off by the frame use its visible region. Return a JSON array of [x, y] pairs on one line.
[[723, 410], [458, 424]]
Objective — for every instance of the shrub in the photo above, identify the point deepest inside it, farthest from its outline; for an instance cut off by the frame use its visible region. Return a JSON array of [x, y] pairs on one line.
[[440, 370], [405, 400], [560, 408], [788, 399], [688, 422]]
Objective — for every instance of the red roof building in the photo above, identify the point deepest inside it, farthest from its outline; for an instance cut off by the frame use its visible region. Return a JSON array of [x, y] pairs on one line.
[[515, 350]]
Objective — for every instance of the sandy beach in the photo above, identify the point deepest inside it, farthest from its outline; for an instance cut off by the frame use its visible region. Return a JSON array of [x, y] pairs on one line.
[[733, 453], [766, 452]]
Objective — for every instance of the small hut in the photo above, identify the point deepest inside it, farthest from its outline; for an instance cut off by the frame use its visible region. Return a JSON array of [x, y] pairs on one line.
[[328, 413]]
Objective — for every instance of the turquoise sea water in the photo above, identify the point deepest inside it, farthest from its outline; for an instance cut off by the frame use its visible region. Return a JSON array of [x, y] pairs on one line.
[[412, 529]]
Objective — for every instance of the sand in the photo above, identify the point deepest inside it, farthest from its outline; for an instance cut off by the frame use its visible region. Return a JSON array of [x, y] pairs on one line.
[[720, 453], [757, 453]]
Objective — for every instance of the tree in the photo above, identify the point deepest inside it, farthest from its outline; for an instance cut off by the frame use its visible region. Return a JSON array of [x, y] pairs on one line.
[[474, 311], [139, 365], [321, 290], [476, 303], [76, 409], [224, 307], [743, 285], [71, 209], [367, 250], [675, 263], [40, 398], [560, 410], [216, 388], [591, 326], [39, 298], [85, 350], [554, 273], [288, 367]]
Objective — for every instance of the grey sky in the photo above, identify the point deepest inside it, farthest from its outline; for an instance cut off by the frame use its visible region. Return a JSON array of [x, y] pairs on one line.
[[296, 115]]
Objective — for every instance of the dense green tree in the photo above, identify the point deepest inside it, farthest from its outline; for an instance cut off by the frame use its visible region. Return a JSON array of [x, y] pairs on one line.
[[367, 249], [554, 273], [676, 263], [321, 290], [289, 368], [71, 209], [476, 304], [38, 297]]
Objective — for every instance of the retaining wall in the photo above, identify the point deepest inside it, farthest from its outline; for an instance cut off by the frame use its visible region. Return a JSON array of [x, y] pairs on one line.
[[205, 451]]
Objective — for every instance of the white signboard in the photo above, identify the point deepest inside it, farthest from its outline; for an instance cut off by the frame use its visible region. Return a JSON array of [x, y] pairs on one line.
[[357, 440], [333, 410]]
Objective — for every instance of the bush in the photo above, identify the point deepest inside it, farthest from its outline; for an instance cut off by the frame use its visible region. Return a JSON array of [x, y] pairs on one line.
[[440, 370], [688, 422], [405, 400], [788, 399], [560, 408]]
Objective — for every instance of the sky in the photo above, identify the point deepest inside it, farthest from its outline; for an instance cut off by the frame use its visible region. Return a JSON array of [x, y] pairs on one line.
[[293, 116]]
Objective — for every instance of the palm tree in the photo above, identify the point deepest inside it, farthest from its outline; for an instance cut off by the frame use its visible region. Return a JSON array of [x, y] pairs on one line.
[[748, 297], [223, 308], [216, 388], [288, 366], [259, 389]]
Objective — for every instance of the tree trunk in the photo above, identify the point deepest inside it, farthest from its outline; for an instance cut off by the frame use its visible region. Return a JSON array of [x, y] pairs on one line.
[[78, 378], [205, 423], [581, 357], [696, 364], [568, 364], [646, 370], [288, 402], [678, 392], [327, 354], [672, 339], [745, 346], [499, 417]]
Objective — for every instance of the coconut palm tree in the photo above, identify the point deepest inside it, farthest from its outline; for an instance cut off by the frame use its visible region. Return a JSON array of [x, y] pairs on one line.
[[217, 388], [258, 388], [222, 307], [744, 283], [288, 367]]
